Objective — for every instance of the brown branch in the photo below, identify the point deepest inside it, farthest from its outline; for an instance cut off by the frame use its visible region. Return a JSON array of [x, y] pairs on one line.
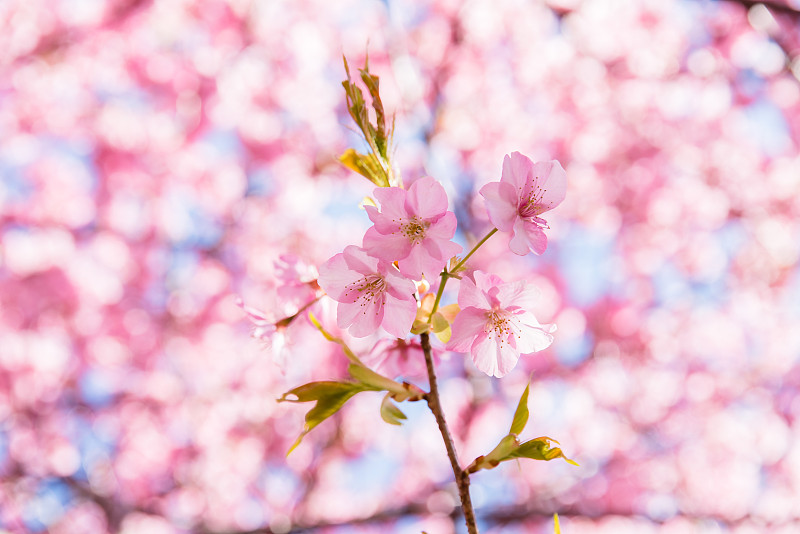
[[462, 477]]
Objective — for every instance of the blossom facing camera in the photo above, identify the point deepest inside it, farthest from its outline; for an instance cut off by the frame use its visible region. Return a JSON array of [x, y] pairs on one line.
[[371, 293], [495, 325], [413, 228], [525, 191]]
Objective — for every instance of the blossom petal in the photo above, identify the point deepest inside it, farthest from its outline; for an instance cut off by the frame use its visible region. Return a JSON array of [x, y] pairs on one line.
[[501, 204], [399, 316], [443, 250], [517, 295], [372, 315], [335, 276], [361, 320], [527, 236], [388, 247], [469, 324], [443, 228], [358, 260], [470, 295], [420, 262], [484, 354], [516, 170], [552, 179], [426, 198], [383, 223], [398, 285], [534, 338], [507, 358], [392, 200]]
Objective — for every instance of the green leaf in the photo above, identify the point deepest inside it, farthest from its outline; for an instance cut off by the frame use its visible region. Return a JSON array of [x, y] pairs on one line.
[[330, 396], [390, 412], [521, 415], [366, 165], [540, 449]]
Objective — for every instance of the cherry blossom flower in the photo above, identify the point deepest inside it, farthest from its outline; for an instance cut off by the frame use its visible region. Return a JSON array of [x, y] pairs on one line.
[[525, 191], [298, 283], [413, 228], [397, 357], [370, 293], [494, 324]]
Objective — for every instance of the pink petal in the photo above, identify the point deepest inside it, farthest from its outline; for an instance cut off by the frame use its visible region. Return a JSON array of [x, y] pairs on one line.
[[516, 170], [449, 249], [426, 198], [443, 228], [485, 355], [413, 265], [399, 286], [533, 338], [527, 236], [361, 320], [501, 204], [536, 237], [507, 358], [384, 224], [486, 282], [335, 276], [420, 262], [442, 249], [518, 294], [553, 180], [358, 260], [399, 315], [392, 200], [469, 324], [389, 247], [470, 296]]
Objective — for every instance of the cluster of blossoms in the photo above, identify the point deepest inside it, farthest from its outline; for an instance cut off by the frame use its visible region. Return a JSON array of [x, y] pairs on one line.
[[376, 285]]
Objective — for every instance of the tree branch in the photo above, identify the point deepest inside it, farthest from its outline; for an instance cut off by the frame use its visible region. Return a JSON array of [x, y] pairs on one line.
[[462, 478]]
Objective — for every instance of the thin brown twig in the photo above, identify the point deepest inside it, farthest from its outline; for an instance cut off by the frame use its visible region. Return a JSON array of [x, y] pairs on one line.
[[462, 477]]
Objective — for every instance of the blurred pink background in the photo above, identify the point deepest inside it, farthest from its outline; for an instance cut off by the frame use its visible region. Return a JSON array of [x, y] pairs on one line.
[[158, 157]]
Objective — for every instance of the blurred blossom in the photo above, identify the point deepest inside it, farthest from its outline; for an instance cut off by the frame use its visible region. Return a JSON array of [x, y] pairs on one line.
[[158, 158]]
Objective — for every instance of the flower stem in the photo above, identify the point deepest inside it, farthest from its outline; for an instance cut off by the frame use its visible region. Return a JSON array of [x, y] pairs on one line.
[[447, 274], [462, 477]]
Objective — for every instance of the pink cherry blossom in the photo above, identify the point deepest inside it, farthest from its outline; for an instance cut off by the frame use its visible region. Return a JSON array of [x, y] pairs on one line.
[[370, 292], [397, 357], [525, 191], [494, 324], [413, 228]]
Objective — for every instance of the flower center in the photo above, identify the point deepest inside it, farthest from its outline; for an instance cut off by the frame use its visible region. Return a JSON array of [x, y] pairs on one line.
[[370, 289], [499, 325], [414, 229], [531, 206]]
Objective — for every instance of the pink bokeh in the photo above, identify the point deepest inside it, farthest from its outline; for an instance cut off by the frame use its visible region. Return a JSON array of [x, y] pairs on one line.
[[160, 160]]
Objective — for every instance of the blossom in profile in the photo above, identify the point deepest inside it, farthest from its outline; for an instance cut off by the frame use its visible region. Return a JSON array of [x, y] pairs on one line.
[[495, 324], [413, 227], [525, 191], [397, 357], [371, 293]]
